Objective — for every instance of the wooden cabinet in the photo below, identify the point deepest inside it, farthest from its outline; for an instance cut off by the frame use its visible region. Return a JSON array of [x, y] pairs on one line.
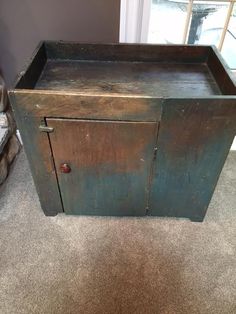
[[125, 130]]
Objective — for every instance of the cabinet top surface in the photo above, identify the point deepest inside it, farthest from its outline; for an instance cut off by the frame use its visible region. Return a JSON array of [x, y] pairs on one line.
[[128, 78], [133, 70]]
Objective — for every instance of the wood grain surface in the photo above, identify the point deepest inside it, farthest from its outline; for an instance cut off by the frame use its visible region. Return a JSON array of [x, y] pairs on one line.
[[128, 78], [110, 165], [123, 92], [193, 143], [126, 52], [39, 154]]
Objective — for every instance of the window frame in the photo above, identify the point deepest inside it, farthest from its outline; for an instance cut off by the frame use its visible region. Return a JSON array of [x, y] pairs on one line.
[[135, 17]]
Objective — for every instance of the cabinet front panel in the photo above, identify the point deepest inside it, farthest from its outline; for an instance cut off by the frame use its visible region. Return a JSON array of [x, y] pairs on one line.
[[103, 167]]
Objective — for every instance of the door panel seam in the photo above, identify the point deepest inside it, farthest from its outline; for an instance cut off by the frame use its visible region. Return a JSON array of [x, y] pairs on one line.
[[54, 165]]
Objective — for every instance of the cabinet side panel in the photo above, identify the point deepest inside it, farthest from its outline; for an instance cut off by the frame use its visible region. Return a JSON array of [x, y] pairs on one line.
[[222, 74], [194, 139], [29, 76], [36, 145], [126, 52]]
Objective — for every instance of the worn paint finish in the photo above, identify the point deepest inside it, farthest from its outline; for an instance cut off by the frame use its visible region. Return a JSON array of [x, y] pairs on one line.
[[110, 164], [48, 104], [194, 139], [36, 145], [132, 83], [221, 72], [126, 52], [128, 78]]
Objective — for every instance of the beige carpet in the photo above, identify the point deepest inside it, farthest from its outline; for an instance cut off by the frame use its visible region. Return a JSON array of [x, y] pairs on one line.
[[67, 264]]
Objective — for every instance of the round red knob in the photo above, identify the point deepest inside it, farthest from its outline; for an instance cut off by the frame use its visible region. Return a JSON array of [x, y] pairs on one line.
[[65, 168]]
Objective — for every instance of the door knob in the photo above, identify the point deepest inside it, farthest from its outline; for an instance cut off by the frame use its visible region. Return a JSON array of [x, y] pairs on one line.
[[65, 168]]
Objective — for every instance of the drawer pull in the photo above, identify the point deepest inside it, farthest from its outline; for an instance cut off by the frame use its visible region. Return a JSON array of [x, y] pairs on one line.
[[65, 168]]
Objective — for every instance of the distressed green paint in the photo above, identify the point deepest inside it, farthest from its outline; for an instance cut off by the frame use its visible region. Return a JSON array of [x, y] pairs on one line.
[[96, 192], [107, 181], [40, 159], [195, 134], [194, 139]]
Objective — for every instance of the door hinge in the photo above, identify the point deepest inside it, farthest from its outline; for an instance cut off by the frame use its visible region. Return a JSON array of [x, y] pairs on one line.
[[45, 128], [155, 153]]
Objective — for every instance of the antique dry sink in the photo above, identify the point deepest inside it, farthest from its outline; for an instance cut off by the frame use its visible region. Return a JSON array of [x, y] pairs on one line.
[[125, 130]]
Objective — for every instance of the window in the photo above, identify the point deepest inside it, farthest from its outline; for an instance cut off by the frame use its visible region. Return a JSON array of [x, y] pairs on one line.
[[204, 22]]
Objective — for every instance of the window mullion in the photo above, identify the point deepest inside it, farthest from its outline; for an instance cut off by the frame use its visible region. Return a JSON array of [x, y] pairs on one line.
[[230, 10], [187, 23]]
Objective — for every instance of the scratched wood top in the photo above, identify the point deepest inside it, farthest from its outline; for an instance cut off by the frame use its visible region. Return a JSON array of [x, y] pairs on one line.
[[129, 78]]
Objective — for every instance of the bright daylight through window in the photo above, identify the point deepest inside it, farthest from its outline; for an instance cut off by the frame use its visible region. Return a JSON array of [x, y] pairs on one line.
[[195, 22]]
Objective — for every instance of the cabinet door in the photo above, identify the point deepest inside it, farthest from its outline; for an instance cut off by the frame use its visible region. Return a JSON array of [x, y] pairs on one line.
[[103, 167]]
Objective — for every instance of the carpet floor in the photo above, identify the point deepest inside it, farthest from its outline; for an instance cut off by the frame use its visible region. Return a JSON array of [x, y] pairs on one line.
[[75, 264]]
